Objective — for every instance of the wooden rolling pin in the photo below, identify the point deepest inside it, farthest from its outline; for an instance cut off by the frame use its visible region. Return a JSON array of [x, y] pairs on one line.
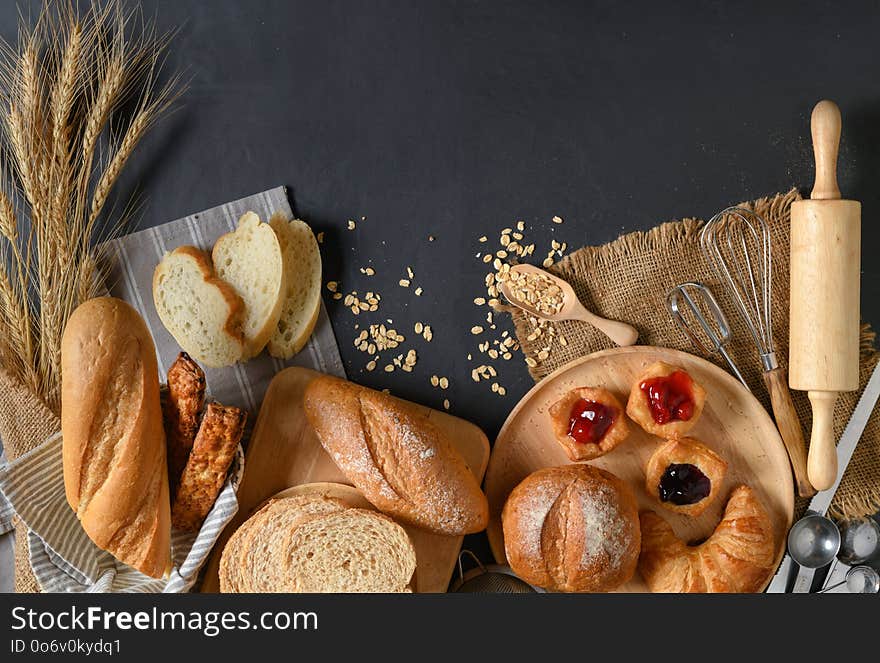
[[825, 274]]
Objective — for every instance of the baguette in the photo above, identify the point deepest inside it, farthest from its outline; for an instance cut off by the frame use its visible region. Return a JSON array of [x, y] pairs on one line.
[[182, 409], [113, 451], [400, 460], [212, 453]]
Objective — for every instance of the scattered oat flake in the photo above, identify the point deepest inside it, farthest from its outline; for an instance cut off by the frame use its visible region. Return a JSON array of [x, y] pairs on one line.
[[403, 283], [320, 238], [435, 381], [332, 286], [483, 238], [369, 271], [476, 329], [418, 328], [445, 403], [351, 225], [479, 301], [409, 272], [444, 383], [389, 368], [418, 291], [371, 364], [557, 219]]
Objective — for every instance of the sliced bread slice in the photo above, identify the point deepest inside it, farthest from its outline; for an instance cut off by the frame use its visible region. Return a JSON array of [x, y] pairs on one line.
[[203, 313], [249, 259], [302, 300], [351, 551], [232, 568], [264, 569]]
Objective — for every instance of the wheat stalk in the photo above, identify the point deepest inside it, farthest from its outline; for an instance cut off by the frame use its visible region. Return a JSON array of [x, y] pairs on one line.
[[69, 75]]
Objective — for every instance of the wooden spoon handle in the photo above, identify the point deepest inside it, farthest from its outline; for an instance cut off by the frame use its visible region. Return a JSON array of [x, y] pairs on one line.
[[822, 461], [789, 428], [825, 127], [621, 333]]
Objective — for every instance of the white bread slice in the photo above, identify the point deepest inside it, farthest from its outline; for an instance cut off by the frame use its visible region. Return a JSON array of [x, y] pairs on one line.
[[201, 312], [302, 300], [350, 551], [249, 259], [263, 566]]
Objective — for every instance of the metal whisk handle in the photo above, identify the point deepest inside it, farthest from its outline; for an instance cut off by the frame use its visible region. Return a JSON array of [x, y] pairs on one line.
[[789, 426]]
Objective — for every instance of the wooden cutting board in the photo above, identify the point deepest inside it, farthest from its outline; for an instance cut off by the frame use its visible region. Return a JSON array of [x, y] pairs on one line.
[[734, 424], [285, 452]]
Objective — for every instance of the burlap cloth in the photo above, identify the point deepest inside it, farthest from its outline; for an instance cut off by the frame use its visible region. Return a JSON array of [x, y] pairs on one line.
[[25, 423], [628, 280]]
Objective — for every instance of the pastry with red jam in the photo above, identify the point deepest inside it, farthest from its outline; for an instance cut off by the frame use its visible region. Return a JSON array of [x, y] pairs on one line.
[[666, 401], [588, 422], [685, 476]]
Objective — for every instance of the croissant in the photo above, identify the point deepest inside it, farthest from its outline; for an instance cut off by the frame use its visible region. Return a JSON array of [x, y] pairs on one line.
[[737, 558]]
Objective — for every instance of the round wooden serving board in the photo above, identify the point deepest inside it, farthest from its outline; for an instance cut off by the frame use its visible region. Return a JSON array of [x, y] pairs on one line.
[[733, 423]]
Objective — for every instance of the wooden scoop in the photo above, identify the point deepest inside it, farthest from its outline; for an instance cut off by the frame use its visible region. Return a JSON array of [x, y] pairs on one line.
[[825, 278], [572, 309]]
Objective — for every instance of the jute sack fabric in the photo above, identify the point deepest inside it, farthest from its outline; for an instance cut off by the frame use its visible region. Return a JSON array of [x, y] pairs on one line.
[[629, 279], [25, 422]]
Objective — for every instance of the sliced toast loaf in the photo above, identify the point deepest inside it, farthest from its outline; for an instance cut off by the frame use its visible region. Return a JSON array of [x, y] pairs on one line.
[[249, 259], [202, 312]]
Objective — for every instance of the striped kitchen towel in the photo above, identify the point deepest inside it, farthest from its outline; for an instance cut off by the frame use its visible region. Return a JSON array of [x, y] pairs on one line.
[[61, 554]]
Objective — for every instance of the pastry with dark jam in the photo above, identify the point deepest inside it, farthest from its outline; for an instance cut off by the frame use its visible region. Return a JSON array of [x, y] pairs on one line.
[[666, 401], [685, 476], [588, 422]]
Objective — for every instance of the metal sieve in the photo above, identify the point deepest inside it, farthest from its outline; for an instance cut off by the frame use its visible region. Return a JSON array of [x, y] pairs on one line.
[[489, 579]]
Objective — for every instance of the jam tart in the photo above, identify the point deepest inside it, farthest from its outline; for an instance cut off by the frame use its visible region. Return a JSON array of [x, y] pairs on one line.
[[588, 422], [684, 476], [666, 401]]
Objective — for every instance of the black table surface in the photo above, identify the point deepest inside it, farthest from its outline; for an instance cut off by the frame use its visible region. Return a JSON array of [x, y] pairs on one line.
[[456, 119]]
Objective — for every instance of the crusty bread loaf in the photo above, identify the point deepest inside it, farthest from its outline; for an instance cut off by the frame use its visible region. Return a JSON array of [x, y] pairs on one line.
[[353, 551], [182, 408], [572, 529], [115, 472], [302, 299], [401, 461], [205, 472], [250, 260], [203, 313], [316, 543]]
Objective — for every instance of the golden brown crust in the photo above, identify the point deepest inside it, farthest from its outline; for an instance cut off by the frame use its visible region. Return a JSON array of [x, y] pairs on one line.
[[214, 448], [739, 556], [182, 408], [115, 471], [560, 416], [639, 410], [689, 451], [400, 460], [572, 529]]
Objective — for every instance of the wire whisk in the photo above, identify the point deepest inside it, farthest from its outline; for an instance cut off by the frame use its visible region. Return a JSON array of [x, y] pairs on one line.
[[736, 242]]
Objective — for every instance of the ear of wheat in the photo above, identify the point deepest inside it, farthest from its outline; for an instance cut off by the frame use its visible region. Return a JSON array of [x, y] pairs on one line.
[[77, 94]]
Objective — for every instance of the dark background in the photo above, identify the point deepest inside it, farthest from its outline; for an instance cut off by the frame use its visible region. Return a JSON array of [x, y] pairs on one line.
[[455, 119]]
